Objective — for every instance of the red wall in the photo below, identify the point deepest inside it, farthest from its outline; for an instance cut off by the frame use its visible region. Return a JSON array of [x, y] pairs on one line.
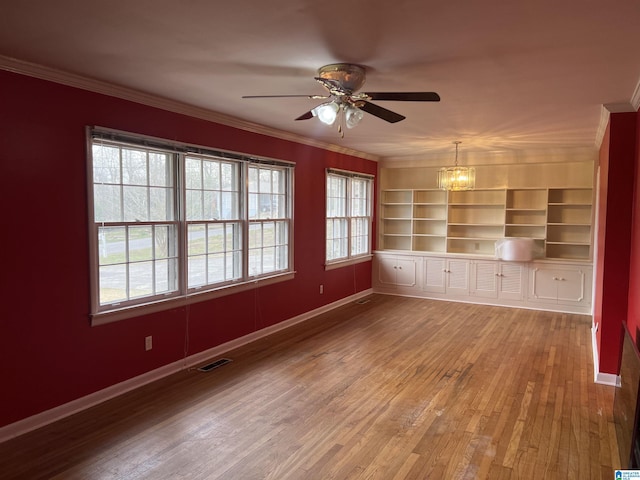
[[49, 354], [617, 163], [633, 313]]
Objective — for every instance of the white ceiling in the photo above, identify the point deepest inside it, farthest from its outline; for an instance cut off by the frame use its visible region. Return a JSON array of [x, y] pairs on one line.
[[513, 75]]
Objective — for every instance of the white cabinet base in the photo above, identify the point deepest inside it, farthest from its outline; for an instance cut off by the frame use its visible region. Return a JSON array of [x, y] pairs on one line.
[[540, 285]]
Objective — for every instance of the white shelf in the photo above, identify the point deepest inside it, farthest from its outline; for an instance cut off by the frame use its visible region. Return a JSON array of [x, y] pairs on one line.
[[469, 222]]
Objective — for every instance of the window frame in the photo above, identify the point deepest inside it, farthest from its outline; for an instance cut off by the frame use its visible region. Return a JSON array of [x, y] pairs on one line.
[[183, 293], [350, 258]]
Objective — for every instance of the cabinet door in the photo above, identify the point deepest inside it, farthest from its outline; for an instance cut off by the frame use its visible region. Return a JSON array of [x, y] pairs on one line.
[[434, 277], [387, 271], [561, 285], [405, 272], [484, 280], [511, 281], [457, 279], [543, 285], [394, 271], [571, 285]]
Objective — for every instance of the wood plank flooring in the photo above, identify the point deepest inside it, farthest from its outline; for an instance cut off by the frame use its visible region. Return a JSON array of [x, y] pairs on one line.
[[396, 388]]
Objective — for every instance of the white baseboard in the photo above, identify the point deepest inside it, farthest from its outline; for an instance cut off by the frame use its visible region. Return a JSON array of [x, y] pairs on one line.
[[603, 378], [49, 416]]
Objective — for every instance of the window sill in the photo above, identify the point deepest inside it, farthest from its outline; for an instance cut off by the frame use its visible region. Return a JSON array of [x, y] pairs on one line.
[[347, 262], [102, 318]]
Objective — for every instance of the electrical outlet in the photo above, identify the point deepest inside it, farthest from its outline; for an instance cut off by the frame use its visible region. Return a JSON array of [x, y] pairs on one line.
[[321, 289], [148, 343]]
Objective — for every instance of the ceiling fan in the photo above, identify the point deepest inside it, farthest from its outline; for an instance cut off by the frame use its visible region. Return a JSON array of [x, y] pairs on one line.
[[342, 81]]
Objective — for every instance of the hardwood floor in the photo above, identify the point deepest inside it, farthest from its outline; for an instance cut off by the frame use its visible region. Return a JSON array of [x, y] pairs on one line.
[[396, 388]]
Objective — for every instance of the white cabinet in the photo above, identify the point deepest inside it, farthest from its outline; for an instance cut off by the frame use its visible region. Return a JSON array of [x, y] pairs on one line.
[[494, 279], [561, 284], [397, 271], [446, 275], [540, 284]]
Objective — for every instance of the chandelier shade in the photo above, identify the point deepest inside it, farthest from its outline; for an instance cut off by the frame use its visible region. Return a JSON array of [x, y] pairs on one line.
[[456, 178]]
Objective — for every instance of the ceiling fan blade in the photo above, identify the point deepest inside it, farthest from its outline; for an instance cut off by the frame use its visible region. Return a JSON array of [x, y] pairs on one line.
[[405, 96], [383, 113], [312, 97], [305, 116]]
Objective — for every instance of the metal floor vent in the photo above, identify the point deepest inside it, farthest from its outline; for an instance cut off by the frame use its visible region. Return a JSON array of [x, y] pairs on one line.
[[363, 301], [214, 365]]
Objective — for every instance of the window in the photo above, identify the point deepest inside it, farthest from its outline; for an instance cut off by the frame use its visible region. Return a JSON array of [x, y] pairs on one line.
[[169, 220], [348, 216]]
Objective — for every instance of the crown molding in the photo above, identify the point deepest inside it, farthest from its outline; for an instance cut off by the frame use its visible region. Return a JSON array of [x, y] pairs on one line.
[[606, 111], [98, 86], [602, 125]]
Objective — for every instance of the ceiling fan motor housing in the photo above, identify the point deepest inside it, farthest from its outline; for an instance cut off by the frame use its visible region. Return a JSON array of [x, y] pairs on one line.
[[351, 77]]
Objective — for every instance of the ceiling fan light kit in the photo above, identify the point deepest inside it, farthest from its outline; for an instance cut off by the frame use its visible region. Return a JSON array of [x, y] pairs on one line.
[[342, 81], [456, 178]]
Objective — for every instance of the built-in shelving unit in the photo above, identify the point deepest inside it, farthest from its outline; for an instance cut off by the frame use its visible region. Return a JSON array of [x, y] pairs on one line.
[[475, 221], [430, 220], [569, 219]]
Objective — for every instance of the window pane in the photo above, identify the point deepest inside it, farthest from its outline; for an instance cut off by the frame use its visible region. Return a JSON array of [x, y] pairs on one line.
[[253, 179], [211, 175], [229, 206], [111, 245], [254, 211], [282, 257], [208, 205], [359, 236], [106, 164], [268, 234], [265, 206], [141, 279], [193, 173], [159, 170], [228, 178], [196, 242], [255, 235], [255, 262], [194, 205], [197, 271], [161, 204], [107, 203], [215, 238], [140, 243], [113, 284], [162, 274], [161, 235], [136, 205], [134, 167], [265, 181], [216, 268]]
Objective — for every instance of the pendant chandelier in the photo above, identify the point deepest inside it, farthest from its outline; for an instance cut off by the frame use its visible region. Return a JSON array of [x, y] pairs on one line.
[[456, 178]]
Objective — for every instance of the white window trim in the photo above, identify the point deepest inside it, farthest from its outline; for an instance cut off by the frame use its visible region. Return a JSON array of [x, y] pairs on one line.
[[351, 259], [188, 296]]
